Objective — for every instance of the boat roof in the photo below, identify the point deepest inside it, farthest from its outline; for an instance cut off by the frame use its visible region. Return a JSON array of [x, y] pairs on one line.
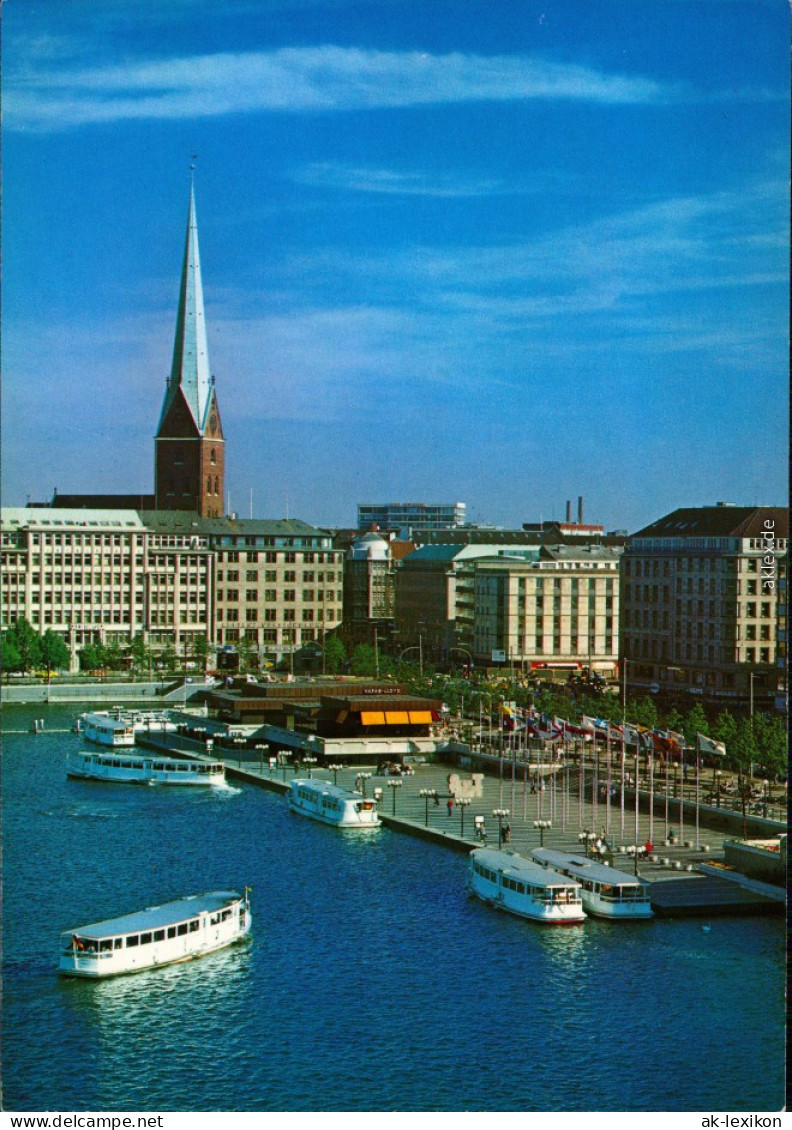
[[512, 863], [327, 787], [589, 868], [154, 917]]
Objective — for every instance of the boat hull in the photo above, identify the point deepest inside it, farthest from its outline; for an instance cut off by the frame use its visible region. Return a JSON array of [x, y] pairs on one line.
[[81, 967], [598, 908], [345, 822], [112, 949], [551, 916]]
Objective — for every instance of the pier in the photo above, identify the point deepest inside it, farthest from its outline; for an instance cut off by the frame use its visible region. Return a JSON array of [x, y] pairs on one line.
[[417, 804]]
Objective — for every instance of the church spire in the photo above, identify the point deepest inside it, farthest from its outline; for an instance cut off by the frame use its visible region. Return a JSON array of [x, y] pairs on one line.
[[190, 374], [189, 456]]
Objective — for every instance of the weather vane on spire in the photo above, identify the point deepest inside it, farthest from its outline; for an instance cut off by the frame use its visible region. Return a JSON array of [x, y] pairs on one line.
[[193, 159]]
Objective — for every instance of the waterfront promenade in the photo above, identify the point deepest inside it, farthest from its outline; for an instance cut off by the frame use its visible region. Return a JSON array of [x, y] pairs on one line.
[[417, 804]]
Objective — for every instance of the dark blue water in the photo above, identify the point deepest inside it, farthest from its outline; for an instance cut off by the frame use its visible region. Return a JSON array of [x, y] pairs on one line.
[[371, 981]]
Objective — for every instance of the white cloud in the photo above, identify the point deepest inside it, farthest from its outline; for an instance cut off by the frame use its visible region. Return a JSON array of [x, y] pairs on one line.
[[39, 96]]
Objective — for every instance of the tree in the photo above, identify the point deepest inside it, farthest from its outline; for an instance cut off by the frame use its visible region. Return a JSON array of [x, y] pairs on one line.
[[335, 655], [200, 650], [744, 749], [725, 729], [9, 654], [54, 652], [364, 660], [27, 642], [771, 741], [141, 653], [643, 712], [674, 720], [695, 723], [92, 657]]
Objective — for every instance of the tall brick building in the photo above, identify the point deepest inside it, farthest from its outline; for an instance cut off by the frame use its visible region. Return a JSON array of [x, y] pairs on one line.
[[189, 446]]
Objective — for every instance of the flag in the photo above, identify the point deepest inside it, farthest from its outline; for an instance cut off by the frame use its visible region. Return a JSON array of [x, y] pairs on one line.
[[709, 745]]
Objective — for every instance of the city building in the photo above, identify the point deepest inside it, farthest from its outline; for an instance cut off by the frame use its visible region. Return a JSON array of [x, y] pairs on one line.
[[369, 589], [104, 576], [558, 609], [411, 516], [704, 603]]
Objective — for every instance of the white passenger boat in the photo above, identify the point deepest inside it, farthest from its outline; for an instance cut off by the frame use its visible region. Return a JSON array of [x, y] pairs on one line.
[[509, 882], [108, 727], [118, 728], [160, 935], [136, 769], [332, 805], [605, 892]]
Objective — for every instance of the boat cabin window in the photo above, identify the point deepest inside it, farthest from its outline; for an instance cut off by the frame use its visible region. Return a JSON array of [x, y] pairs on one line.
[[145, 939], [181, 928], [194, 925], [118, 943], [133, 940], [171, 931], [106, 944], [159, 935]]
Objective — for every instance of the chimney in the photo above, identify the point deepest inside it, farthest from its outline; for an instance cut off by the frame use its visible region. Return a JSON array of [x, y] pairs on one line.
[[569, 510], [580, 509]]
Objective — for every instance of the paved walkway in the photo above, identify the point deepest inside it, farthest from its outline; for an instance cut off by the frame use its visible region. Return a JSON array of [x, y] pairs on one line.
[[569, 819]]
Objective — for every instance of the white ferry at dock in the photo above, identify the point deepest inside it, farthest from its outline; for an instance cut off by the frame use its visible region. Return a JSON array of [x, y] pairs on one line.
[[160, 935], [135, 769], [507, 881], [606, 892], [332, 805], [118, 728]]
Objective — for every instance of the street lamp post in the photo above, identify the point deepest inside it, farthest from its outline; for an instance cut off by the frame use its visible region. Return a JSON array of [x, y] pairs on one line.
[[500, 814], [462, 803], [394, 785], [586, 836], [310, 762], [363, 777], [542, 825], [718, 775], [427, 794], [334, 768]]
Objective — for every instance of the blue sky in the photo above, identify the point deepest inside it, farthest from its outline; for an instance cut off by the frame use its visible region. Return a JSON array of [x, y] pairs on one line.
[[496, 251]]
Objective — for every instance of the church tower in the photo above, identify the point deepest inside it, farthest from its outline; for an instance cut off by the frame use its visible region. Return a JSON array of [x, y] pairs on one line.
[[189, 446]]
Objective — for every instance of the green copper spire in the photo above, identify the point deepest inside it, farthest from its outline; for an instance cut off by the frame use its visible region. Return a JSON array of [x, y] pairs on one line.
[[190, 376]]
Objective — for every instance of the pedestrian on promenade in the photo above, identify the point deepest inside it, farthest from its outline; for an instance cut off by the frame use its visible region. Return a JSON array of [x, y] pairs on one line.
[[450, 804], [506, 833]]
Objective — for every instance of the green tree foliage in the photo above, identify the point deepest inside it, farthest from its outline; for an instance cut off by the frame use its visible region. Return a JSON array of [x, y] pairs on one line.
[[92, 657], [364, 660], [9, 655], [55, 654], [643, 711], [744, 750], [27, 643], [771, 743], [200, 650], [674, 720], [725, 729], [335, 655], [142, 655], [695, 723]]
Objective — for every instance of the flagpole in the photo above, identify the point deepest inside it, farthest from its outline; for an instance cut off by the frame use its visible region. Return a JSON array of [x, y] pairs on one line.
[[623, 755], [682, 796], [595, 788], [697, 794], [651, 798], [609, 776]]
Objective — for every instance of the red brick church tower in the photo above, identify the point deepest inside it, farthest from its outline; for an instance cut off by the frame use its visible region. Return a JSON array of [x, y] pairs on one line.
[[189, 446]]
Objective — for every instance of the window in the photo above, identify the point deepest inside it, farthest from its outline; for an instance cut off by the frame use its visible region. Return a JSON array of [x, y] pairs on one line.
[[251, 596]]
